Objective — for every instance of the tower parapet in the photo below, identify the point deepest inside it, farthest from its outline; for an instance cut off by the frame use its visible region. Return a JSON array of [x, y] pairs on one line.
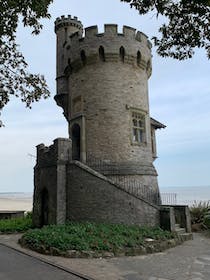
[[68, 21], [130, 46]]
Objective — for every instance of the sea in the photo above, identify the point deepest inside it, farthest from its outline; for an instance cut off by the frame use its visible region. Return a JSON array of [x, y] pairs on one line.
[[16, 195], [185, 195], [169, 195]]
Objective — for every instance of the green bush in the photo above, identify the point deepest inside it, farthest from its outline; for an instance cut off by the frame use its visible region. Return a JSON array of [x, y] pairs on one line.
[[29, 214], [198, 211], [90, 236], [206, 220], [15, 225]]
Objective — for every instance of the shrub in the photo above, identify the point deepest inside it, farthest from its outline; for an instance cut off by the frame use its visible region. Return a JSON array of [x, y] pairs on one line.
[[29, 214], [198, 211], [15, 225], [206, 220], [91, 236]]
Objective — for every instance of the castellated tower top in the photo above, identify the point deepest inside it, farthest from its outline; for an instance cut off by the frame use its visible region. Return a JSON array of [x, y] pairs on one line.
[[77, 50], [68, 21]]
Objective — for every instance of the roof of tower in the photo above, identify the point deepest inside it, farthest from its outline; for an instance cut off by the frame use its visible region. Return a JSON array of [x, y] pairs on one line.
[[64, 21]]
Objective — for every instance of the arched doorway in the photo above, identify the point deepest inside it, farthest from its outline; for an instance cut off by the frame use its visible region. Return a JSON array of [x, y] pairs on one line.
[[76, 142], [44, 207]]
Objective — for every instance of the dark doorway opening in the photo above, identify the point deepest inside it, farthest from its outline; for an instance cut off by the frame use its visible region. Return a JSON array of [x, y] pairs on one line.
[[76, 142], [45, 207]]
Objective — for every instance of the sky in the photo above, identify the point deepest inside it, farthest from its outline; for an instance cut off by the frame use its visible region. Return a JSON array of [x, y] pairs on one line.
[[179, 95]]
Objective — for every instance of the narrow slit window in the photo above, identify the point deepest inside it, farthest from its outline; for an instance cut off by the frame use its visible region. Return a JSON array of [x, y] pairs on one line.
[[148, 65], [66, 34], [65, 37], [101, 53], [83, 57], [122, 54], [138, 57]]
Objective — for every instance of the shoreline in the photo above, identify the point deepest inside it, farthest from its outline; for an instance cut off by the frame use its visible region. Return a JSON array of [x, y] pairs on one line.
[[12, 203]]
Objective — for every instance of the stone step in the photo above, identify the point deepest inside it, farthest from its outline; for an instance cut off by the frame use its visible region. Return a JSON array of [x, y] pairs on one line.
[[185, 236], [180, 230], [177, 225]]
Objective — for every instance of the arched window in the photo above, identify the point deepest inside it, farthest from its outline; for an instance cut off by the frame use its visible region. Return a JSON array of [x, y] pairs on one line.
[[138, 57], [101, 53], [122, 54], [83, 57]]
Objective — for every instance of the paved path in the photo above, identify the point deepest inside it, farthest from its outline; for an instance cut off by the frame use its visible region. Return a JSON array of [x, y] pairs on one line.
[[190, 261], [16, 266]]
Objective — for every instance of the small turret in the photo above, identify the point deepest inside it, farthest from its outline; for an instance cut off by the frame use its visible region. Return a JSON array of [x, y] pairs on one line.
[[65, 27]]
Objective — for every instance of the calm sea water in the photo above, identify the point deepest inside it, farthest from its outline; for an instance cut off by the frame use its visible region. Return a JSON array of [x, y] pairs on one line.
[[188, 195], [182, 195], [16, 195]]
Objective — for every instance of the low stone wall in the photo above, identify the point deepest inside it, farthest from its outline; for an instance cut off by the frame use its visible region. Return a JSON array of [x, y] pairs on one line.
[[150, 247], [170, 215], [11, 214]]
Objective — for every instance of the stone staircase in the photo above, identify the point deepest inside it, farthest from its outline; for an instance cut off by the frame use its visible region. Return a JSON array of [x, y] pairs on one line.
[[182, 234]]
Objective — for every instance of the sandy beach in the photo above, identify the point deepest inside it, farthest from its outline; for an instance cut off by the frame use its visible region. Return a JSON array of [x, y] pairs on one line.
[[12, 202]]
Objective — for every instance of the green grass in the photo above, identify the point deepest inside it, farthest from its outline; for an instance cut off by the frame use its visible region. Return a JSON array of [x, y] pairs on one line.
[[15, 225], [90, 236]]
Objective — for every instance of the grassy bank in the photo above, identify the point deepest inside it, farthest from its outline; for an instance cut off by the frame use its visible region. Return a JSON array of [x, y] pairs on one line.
[[91, 237], [15, 225]]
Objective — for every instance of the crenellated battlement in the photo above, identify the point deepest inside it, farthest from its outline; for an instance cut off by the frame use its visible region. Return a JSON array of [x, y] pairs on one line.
[[58, 152], [64, 21], [111, 30], [130, 46]]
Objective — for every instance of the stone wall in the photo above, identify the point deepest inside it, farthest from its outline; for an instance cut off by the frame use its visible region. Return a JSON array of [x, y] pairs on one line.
[[102, 79], [92, 197], [45, 181], [66, 190], [109, 92], [49, 203]]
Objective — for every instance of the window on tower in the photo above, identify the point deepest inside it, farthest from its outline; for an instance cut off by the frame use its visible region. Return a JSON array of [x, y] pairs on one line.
[[101, 53], [138, 127], [83, 57], [138, 58], [122, 53]]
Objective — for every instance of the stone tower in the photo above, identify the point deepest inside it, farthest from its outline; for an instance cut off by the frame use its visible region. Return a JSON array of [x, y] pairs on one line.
[[102, 86], [104, 172]]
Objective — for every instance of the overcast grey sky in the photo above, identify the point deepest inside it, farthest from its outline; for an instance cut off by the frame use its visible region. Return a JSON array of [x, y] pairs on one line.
[[179, 97]]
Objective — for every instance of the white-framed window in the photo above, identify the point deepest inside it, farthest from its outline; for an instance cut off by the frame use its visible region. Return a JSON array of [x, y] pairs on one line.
[[138, 127]]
